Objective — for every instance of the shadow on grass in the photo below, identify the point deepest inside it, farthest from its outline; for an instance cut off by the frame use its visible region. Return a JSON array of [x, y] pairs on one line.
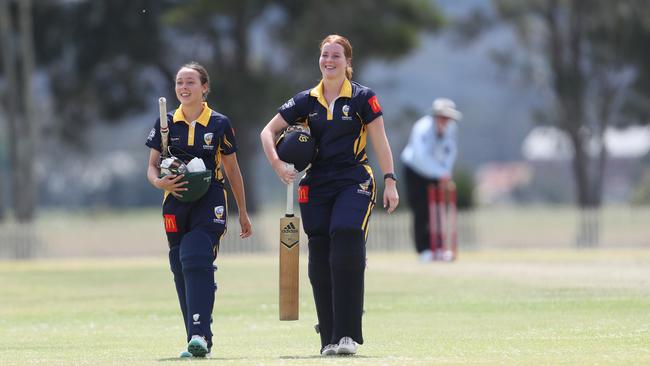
[[324, 357], [199, 359], [173, 359]]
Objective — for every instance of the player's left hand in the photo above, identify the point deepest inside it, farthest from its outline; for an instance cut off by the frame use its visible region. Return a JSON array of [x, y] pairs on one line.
[[246, 226], [391, 197]]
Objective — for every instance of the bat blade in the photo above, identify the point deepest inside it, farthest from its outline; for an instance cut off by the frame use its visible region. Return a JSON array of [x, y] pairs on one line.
[[164, 130], [289, 267]]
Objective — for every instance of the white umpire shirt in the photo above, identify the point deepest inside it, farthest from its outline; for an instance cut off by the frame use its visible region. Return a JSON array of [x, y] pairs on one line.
[[428, 154]]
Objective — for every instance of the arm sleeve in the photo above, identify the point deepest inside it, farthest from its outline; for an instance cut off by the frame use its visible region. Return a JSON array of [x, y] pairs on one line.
[[295, 110], [370, 107], [153, 140], [227, 142]]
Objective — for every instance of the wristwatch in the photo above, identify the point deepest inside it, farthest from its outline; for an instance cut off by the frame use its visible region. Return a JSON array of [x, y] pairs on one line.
[[391, 176]]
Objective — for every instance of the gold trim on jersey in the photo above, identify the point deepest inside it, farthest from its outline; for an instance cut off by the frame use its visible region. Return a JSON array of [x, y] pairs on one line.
[[204, 119], [371, 205], [226, 142], [360, 143], [225, 226], [317, 92], [217, 161]]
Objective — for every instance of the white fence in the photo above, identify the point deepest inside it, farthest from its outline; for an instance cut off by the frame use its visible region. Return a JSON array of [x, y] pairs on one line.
[[140, 233]]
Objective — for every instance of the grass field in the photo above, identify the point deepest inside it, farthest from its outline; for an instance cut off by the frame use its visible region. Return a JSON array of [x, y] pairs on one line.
[[498, 307]]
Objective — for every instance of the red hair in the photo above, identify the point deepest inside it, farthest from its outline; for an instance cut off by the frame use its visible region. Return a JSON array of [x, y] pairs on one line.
[[347, 50]]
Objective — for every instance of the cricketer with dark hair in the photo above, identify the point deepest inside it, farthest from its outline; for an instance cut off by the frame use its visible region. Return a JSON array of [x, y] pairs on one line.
[[195, 228]]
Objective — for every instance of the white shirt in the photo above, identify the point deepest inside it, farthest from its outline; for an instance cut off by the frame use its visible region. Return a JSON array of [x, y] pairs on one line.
[[428, 154]]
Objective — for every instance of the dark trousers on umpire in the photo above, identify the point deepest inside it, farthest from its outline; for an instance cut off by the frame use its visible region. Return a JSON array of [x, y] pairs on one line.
[[417, 192], [335, 218]]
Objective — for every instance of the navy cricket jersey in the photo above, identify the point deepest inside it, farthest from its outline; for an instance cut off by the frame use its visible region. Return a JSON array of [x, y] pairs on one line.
[[339, 129], [210, 136]]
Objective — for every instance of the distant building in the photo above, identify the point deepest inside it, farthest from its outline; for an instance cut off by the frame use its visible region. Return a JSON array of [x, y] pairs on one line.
[[546, 174], [550, 143], [549, 152]]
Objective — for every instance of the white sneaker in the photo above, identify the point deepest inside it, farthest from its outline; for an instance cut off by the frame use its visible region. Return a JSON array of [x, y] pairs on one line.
[[198, 346], [448, 256], [346, 346], [329, 350], [426, 256]]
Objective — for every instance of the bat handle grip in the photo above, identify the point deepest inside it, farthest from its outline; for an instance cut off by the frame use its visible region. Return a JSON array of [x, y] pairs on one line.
[[289, 211]]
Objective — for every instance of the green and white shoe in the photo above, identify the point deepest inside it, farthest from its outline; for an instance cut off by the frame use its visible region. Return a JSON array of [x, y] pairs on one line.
[[198, 346]]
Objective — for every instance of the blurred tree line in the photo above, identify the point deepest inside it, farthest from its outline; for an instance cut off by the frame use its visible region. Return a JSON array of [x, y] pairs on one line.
[[107, 59], [16, 41], [591, 61]]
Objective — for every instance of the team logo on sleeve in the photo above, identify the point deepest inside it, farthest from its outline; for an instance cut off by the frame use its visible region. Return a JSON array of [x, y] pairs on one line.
[[374, 104], [207, 138], [218, 214], [290, 103], [152, 134]]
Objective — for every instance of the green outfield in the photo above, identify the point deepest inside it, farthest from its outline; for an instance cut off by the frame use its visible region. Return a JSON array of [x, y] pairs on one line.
[[493, 307]]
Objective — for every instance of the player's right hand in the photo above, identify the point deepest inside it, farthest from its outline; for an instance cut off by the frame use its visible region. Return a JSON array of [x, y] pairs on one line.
[[172, 183], [285, 171], [246, 226]]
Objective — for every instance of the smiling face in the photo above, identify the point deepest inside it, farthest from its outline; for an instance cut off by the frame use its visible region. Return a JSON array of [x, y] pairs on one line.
[[189, 89], [332, 61]]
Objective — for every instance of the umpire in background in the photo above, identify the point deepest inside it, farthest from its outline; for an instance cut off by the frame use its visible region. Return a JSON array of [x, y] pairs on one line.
[[429, 158]]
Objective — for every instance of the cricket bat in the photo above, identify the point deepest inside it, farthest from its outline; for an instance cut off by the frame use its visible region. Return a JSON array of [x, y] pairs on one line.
[[289, 255], [164, 129]]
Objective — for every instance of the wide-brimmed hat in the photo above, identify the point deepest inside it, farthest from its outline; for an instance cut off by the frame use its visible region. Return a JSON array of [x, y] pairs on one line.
[[446, 108]]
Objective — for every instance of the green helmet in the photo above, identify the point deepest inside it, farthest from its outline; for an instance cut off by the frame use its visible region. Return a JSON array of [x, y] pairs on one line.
[[198, 184]]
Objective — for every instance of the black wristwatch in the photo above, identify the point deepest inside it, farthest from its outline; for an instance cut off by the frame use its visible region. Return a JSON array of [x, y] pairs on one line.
[[391, 176]]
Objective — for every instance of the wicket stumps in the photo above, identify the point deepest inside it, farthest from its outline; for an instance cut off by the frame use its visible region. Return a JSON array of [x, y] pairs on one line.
[[443, 235]]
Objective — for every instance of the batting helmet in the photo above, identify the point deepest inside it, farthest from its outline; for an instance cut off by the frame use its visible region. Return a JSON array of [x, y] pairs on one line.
[[297, 147], [197, 182]]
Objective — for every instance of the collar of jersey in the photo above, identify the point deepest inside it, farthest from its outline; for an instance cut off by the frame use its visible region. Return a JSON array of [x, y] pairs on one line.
[[317, 92], [203, 119]]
